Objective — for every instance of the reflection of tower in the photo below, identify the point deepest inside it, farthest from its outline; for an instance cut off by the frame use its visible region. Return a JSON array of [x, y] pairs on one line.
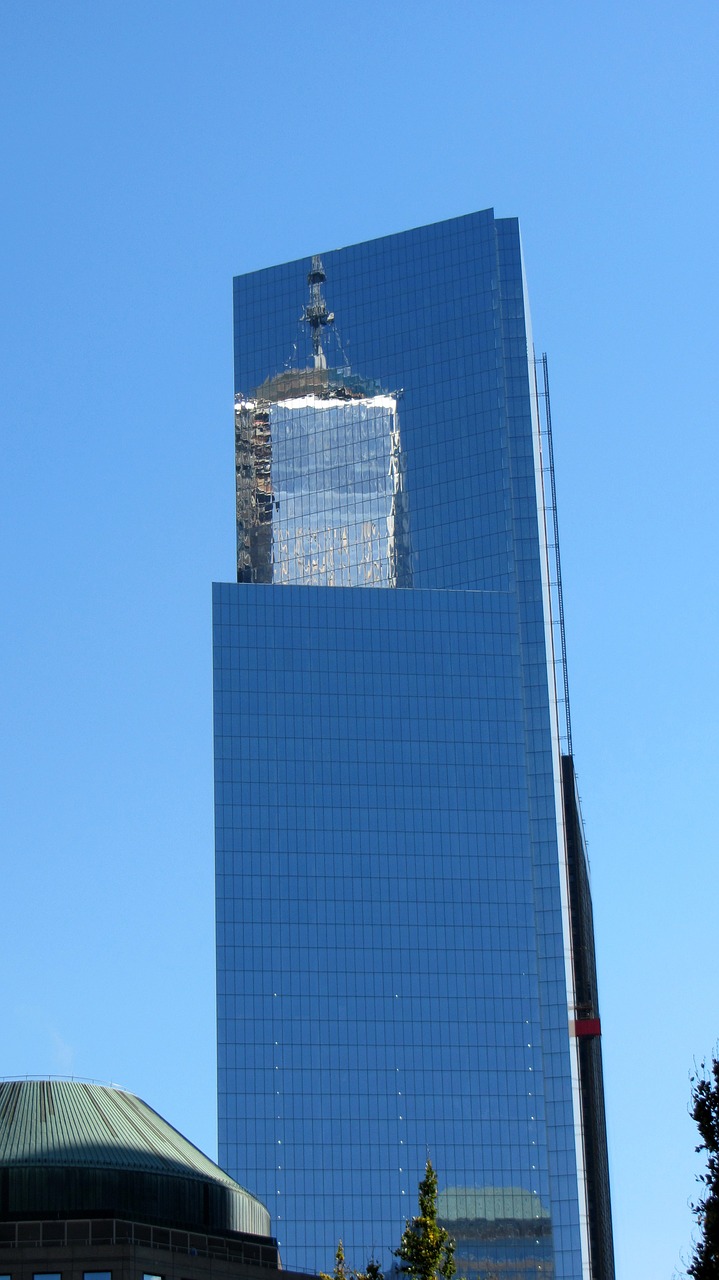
[[253, 471], [496, 1228], [320, 474], [316, 313]]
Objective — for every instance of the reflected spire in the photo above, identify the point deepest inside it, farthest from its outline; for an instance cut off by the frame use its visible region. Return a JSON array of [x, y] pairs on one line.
[[315, 313]]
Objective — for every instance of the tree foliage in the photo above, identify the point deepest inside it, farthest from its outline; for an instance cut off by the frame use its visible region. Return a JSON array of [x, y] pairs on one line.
[[705, 1111], [426, 1251], [373, 1272], [341, 1270]]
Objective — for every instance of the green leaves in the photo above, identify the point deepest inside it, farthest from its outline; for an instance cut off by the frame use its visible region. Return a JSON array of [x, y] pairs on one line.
[[426, 1251], [705, 1111], [341, 1271], [373, 1272]]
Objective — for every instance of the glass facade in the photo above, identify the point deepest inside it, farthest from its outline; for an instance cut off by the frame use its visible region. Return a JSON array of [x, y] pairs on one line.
[[320, 497], [395, 969]]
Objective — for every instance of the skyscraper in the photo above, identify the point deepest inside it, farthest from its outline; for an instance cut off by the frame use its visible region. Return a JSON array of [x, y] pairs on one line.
[[405, 949]]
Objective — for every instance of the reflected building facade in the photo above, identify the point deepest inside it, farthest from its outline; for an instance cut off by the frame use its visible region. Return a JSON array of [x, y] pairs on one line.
[[405, 955]]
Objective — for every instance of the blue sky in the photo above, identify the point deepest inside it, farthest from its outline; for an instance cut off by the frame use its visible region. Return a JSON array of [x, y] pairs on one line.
[[150, 152]]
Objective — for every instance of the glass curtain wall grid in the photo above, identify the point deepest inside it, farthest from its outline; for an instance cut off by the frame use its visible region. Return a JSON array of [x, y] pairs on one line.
[[399, 909]]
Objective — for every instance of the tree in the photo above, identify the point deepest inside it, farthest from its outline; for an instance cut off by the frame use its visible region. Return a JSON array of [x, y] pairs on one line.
[[341, 1271], [426, 1251], [705, 1111], [373, 1272]]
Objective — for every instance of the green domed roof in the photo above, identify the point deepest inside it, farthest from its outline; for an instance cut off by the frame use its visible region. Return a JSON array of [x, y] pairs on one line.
[[67, 1122], [118, 1149]]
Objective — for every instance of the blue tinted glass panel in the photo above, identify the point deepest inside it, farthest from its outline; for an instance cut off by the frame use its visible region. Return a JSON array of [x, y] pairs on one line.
[[391, 918]]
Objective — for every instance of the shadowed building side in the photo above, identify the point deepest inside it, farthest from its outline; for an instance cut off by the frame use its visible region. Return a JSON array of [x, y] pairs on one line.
[[587, 1030]]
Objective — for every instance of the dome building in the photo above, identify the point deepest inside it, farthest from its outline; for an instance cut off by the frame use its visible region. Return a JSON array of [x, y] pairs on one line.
[[95, 1185]]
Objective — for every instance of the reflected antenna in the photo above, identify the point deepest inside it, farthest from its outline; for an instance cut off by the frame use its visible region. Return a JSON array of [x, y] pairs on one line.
[[315, 313]]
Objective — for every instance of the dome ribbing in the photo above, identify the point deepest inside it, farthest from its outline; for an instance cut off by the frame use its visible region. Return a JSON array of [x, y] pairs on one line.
[[70, 1148]]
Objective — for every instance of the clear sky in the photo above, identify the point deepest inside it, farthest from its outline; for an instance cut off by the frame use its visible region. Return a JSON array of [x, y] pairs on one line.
[[150, 152]]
